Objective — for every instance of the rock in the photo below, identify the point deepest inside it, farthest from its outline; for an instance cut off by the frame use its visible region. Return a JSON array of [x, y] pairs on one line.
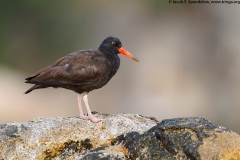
[[183, 138], [122, 136], [62, 138]]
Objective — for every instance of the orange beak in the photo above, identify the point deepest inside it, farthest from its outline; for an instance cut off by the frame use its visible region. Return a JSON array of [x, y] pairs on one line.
[[126, 53]]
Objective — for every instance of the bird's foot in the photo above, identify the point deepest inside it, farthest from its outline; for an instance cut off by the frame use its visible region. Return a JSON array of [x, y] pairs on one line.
[[93, 118], [83, 116]]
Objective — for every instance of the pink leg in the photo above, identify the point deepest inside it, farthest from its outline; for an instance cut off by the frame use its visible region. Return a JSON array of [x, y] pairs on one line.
[[82, 116], [91, 117]]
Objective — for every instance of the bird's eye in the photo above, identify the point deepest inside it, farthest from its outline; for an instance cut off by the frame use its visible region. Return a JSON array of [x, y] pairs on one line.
[[114, 43]]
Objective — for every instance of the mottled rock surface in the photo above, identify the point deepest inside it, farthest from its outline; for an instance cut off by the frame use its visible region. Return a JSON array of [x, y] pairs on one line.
[[123, 136], [61, 138], [183, 138]]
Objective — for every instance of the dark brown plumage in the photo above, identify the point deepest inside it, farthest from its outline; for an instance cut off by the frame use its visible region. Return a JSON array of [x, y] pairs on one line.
[[82, 71]]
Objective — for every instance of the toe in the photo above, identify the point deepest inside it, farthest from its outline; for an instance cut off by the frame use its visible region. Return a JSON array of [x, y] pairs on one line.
[[95, 120], [84, 117]]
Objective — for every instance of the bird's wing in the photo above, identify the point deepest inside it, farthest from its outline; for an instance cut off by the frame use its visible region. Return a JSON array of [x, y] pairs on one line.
[[76, 69]]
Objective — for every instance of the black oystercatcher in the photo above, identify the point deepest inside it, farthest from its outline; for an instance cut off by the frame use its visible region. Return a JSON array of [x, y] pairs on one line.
[[82, 71]]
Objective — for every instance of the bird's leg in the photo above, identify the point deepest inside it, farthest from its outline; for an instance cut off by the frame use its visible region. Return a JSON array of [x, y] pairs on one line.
[[79, 98], [90, 115]]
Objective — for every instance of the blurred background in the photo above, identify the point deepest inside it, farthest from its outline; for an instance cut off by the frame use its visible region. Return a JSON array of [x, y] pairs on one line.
[[189, 58]]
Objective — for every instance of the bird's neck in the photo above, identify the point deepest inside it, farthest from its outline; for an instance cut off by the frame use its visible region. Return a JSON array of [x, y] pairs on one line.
[[113, 57], [108, 53]]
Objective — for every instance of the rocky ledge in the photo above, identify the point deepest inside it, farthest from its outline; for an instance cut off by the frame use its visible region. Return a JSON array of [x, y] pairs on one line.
[[122, 136]]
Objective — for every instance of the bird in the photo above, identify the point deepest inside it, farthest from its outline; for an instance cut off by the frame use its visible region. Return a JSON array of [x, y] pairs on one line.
[[82, 71]]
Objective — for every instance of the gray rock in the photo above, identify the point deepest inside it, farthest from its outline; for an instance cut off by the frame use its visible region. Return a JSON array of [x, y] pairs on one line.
[[61, 138], [183, 138], [122, 136]]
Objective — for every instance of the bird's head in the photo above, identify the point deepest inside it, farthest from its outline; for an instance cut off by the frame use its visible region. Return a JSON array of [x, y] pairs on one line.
[[113, 45]]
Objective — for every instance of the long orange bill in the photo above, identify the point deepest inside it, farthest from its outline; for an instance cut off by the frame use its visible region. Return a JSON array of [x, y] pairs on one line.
[[126, 53]]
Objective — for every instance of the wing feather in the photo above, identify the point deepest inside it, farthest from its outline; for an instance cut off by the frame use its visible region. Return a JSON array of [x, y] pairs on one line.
[[77, 68]]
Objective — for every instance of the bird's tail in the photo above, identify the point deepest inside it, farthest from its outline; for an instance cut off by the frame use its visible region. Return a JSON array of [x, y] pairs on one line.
[[29, 79], [36, 86]]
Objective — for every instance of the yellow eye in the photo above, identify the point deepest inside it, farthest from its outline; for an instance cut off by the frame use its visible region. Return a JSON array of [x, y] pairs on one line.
[[114, 43]]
